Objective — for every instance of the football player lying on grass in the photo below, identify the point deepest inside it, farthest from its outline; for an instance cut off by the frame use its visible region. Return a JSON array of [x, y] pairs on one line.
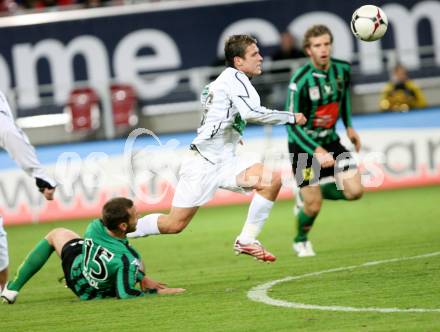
[[102, 264]]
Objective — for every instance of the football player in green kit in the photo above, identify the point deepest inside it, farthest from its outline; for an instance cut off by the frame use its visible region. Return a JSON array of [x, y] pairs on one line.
[[323, 168], [102, 264]]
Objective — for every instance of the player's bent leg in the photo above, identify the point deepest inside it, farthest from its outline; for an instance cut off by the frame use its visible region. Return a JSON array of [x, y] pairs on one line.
[[351, 184], [331, 191], [4, 262], [4, 256], [3, 278], [58, 237], [197, 184], [35, 260], [157, 223], [312, 199], [270, 190], [177, 220], [267, 186], [267, 183]]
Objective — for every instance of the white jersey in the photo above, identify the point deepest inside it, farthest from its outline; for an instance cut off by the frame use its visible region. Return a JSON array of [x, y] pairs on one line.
[[4, 106], [229, 102], [17, 144]]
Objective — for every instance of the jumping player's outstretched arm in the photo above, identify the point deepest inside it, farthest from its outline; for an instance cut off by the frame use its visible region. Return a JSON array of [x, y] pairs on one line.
[[246, 99], [16, 143]]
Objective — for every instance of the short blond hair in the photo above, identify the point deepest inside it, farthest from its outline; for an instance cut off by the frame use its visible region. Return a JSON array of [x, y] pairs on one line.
[[316, 31]]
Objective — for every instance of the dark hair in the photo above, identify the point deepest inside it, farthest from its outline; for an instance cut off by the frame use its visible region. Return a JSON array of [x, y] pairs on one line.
[[115, 212], [316, 31], [236, 46]]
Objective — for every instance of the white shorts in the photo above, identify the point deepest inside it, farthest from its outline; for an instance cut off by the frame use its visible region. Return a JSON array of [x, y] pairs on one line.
[[4, 257], [199, 179]]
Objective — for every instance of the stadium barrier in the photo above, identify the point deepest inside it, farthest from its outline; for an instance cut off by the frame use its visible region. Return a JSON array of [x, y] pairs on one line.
[[399, 150], [155, 49]]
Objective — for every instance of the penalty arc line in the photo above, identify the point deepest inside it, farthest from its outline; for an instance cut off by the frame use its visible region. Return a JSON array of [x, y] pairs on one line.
[[259, 293]]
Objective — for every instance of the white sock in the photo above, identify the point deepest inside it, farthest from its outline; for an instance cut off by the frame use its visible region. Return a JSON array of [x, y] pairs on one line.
[[147, 225], [258, 212]]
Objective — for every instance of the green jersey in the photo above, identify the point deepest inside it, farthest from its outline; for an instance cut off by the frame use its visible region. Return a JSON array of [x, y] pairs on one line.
[[323, 97], [107, 266]]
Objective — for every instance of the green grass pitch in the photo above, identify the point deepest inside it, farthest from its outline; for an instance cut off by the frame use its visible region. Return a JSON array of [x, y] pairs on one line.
[[381, 226]]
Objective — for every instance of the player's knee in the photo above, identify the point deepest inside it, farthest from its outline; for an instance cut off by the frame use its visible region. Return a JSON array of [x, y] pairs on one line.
[[354, 193], [269, 188], [312, 207], [54, 233]]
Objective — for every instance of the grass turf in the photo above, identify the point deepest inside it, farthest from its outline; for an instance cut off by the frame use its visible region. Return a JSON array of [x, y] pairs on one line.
[[382, 225]]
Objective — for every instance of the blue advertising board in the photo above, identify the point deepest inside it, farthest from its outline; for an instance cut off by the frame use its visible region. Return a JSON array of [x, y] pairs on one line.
[[124, 43]]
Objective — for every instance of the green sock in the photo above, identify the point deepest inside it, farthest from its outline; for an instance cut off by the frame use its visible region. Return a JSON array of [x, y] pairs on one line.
[[305, 223], [31, 265], [331, 191]]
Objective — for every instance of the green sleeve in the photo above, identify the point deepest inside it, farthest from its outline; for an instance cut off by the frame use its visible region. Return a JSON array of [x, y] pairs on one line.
[[126, 279], [297, 102], [300, 137], [291, 104], [140, 276]]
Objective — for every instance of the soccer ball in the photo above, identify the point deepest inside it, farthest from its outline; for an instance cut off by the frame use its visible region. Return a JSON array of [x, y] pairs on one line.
[[369, 23]]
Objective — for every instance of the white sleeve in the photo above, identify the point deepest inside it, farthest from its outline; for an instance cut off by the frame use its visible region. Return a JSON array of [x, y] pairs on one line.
[[17, 144], [4, 106], [246, 99]]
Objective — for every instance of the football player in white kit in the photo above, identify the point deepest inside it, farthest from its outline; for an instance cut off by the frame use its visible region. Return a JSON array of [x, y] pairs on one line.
[[229, 102], [16, 143]]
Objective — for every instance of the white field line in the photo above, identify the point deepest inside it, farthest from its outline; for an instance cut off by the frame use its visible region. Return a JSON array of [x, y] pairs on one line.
[[259, 293]]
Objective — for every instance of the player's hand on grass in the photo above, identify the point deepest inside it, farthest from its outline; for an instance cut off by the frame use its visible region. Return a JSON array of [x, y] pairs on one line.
[[161, 288], [354, 138], [325, 159], [147, 283], [300, 119], [167, 290]]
